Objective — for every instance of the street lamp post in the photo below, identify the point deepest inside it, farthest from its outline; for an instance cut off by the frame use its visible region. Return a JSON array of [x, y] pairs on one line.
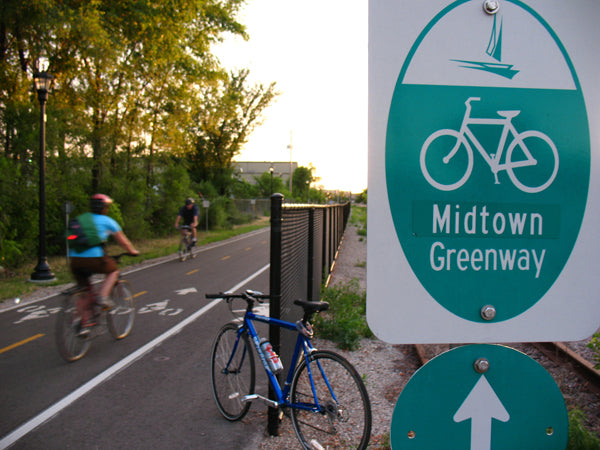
[[42, 272], [271, 169]]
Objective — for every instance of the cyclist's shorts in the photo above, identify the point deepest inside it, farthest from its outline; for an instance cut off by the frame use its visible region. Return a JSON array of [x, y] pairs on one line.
[[83, 268]]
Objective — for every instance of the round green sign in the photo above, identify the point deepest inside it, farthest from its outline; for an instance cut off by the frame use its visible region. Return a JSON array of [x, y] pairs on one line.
[[480, 396], [487, 162]]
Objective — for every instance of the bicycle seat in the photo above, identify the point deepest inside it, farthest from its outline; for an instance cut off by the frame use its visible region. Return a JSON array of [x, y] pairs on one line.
[[311, 307], [508, 114]]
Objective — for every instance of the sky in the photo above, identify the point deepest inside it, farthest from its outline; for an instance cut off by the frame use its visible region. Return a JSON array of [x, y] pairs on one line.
[[316, 52]]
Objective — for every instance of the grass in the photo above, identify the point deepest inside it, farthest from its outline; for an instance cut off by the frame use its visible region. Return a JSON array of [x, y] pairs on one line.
[[16, 284], [580, 438], [345, 322], [358, 218]]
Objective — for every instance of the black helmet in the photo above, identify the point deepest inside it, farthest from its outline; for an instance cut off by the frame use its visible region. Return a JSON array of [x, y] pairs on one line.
[[98, 202], [189, 201]]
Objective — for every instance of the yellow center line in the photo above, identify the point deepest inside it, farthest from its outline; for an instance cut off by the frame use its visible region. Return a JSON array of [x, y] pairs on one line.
[[24, 341], [139, 293], [225, 257], [192, 271], [248, 248]]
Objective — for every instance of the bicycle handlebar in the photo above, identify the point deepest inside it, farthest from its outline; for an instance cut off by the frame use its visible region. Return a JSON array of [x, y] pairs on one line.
[[248, 295], [117, 257]]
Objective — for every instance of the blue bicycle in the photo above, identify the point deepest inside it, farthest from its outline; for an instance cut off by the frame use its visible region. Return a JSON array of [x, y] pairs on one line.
[[324, 394]]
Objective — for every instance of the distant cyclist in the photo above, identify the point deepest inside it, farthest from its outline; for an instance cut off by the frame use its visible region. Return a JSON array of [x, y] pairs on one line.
[[94, 260], [189, 214]]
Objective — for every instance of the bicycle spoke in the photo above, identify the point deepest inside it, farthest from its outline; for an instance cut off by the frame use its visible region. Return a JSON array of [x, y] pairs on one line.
[[344, 416], [70, 345], [120, 319], [232, 372]]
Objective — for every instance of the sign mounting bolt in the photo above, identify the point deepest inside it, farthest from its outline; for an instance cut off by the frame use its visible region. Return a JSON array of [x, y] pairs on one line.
[[491, 6], [488, 312], [481, 365]]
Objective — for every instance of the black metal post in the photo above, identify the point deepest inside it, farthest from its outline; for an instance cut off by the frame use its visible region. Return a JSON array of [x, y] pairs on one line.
[[275, 294], [42, 271], [311, 255]]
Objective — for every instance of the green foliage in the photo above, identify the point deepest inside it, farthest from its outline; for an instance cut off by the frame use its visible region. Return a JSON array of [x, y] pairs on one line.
[[268, 184], [362, 197], [344, 322], [358, 218], [579, 437], [228, 112], [243, 189], [594, 344], [171, 188], [301, 180], [18, 215]]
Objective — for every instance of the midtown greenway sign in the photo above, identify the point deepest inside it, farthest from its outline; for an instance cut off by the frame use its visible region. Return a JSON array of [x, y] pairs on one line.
[[481, 172]]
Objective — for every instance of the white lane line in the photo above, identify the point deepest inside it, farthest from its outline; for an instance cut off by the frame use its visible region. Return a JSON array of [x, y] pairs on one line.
[[29, 426]]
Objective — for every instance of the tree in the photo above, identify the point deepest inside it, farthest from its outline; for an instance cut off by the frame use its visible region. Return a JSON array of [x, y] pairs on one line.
[[126, 70], [301, 181], [226, 114], [269, 184]]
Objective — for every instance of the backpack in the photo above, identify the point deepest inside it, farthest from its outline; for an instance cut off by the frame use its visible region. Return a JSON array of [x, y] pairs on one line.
[[82, 233]]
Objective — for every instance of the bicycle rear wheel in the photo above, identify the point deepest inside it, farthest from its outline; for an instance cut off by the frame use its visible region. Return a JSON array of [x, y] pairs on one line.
[[232, 371], [120, 318], [343, 418], [70, 345]]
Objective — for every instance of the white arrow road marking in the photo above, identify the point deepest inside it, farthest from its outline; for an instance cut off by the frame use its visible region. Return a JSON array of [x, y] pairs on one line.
[[186, 291], [481, 406], [150, 307]]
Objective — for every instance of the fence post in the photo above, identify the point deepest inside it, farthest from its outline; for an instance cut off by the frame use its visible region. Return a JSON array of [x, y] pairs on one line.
[[275, 297], [311, 254]]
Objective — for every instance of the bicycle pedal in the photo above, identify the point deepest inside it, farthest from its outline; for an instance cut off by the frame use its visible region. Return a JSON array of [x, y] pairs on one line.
[[85, 332]]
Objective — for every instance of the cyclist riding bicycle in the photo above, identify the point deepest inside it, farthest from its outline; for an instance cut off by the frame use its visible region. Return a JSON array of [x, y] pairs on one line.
[[189, 213], [93, 260]]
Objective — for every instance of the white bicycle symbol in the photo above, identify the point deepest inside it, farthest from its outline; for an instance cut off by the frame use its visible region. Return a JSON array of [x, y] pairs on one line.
[[456, 167]]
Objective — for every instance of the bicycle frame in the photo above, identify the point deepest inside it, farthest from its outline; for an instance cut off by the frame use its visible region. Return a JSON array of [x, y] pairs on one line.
[[303, 344], [493, 160]]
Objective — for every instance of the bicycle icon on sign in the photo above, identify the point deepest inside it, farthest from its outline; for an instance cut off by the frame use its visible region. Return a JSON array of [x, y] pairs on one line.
[[448, 170]]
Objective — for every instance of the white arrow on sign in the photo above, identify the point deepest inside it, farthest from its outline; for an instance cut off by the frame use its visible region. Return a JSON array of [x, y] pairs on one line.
[[481, 406], [186, 291]]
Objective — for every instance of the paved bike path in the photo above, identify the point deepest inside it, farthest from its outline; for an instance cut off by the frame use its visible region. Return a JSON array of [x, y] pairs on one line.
[[163, 397]]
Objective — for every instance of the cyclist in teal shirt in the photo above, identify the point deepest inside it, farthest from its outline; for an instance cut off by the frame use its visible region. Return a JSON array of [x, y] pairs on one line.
[[94, 260]]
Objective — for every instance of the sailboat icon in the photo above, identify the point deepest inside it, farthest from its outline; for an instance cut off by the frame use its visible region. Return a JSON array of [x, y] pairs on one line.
[[494, 49]]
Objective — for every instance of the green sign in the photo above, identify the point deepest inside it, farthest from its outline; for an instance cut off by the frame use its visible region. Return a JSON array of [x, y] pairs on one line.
[[487, 159], [480, 397]]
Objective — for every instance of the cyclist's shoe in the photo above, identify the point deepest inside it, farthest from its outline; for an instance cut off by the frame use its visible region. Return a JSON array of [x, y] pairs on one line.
[[105, 303], [193, 244], [86, 328]]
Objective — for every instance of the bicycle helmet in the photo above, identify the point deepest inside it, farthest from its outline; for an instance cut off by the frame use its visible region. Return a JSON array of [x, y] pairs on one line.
[[189, 201], [98, 202]]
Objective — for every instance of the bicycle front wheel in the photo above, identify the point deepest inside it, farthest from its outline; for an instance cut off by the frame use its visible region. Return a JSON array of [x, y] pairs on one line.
[[120, 318], [70, 345], [446, 160], [183, 249], [341, 415], [232, 371]]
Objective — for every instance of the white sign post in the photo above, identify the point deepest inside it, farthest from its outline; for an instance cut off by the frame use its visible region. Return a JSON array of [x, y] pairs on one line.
[[483, 170]]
